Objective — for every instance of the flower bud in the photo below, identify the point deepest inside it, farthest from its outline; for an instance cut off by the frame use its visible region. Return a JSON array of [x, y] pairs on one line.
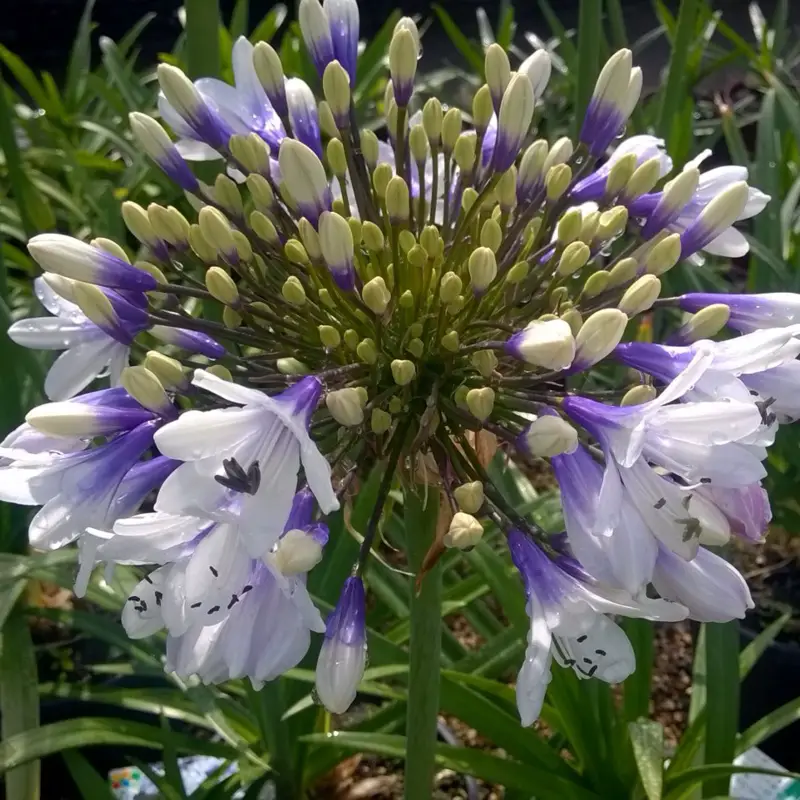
[[644, 179], [222, 287], [406, 240], [637, 395], [154, 140], [664, 255], [367, 351], [469, 497], [305, 179], [640, 296], [449, 287], [513, 121], [252, 152], [596, 283], [397, 199], [609, 102], [589, 226], [557, 181], [482, 268], [537, 68], [403, 55], [620, 174], [456, 306], [518, 272], [343, 656], [464, 152], [403, 371], [480, 402], [327, 124], [416, 347], [231, 318], [226, 194], [406, 299], [417, 257], [531, 169], [574, 319], [165, 226], [264, 228], [338, 249], [168, 371], [261, 192], [485, 361], [432, 117], [329, 336], [144, 387], [109, 246], [468, 198], [491, 235], [600, 334], [293, 291], [506, 191], [138, 223], [418, 144], [569, 226], [547, 344], [244, 250], [269, 71], [451, 129], [716, 217], [464, 532], [549, 436], [482, 110], [677, 193], [337, 160], [336, 88], [706, 323], [372, 236], [217, 232], [559, 153], [574, 257], [346, 407], [624, 271], [498, 73], [376, 295], [220, 371], [612, 223], [450, 341], [296, 552], [296, 253]]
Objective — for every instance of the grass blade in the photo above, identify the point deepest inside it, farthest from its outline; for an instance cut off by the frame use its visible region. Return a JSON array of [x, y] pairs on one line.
[[421, 517], [80, 58], [768, 725], [637, 687], [269, 25], [675, 87], [202, 38], [471, 52], [90, 783], [647, 738], [590, 21], [722, 704]]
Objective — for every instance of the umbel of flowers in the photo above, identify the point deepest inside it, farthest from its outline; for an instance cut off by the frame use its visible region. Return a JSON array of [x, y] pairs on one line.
[[416, 302]]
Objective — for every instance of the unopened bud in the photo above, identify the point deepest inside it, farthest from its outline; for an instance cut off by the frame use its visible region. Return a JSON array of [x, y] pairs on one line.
[[296, 253], [369, 147], [557, 181], [221, 286], [620, 174], [596, 283], [469, 198], [451, 129], [372, 236], [311, 239], [138, 223], [449, 287], [573, 258], [518, 272], [226, 194], [231, 318], [450, 341], [549, 436], [482, 108], [491, 235], [559, 153], [506, 190], [293, 291], [144, 266], [376, 295], [612, 223], [418, 144], [600, 334], [329, 336], [406, 299], [243, 247], [498, 73], [637, 395], [482, 267], [574, 319], [664, 255], [325, 298], [351, 339], [337, 160], [464, 532], [406, 240], [432, 117], [403, 371], [485, 361], [456, 306], [481, 402], [145, 388], [469, 497], [367, 351], [380, 179], [346, 407], [464, 152], [416, 347], [336, 88], [569, 226], [644, 178], [201, 247], [264, 228], [706, 323], [220, 371], [261, 192], [403, 54], [548, 344], [380, 421], [110, 246], [168, 370], [589, 226], [624, 271], [217, 231], [640, 296], [397, 199]]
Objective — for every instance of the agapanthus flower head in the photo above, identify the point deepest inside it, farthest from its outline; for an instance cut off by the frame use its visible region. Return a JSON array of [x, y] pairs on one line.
[[414, 303]]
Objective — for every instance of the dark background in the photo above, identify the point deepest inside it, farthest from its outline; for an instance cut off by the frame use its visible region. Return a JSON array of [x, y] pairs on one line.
[[41, 31]]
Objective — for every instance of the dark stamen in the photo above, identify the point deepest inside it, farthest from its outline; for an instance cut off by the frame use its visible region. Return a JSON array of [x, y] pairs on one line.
[[213, 610], [582, 638], [592, 671], [195, 605], [214, 572], [600, 652]]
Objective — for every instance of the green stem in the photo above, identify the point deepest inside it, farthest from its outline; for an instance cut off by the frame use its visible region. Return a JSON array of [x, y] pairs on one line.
[[421, 514]]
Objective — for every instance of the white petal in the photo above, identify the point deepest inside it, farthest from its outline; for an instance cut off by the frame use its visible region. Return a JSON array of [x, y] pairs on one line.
[[340, 668], [141, 615], [52, 333], [603, 652], [227, 390], [217, 569], [56, 304], [191, 150], [707, 423], [534, 675], [77, 367], [729, 244]]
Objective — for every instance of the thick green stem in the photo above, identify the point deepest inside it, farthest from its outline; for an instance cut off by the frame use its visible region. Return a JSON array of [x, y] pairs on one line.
[[421, 514]]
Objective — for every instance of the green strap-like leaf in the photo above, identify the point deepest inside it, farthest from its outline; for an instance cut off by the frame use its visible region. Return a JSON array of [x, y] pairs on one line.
[[647, 738], [89, 781]]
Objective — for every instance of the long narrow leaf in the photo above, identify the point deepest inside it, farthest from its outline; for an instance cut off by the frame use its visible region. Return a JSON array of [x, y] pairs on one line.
[[647, 738], [589, 26]]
